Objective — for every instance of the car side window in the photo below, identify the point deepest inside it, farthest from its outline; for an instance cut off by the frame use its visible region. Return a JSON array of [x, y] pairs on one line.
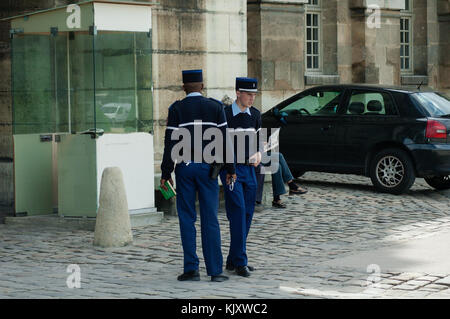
[[316, 103], [371, 103]]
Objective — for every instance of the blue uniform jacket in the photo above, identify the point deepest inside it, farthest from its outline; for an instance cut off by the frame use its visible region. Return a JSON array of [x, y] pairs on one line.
[[249, 125], [184, 114]]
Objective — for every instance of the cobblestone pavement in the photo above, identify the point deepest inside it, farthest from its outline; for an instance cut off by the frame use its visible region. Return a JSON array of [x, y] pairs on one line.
[[339, 216]]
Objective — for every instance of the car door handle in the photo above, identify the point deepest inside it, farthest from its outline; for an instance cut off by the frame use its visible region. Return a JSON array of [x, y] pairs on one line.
[[326, 128]]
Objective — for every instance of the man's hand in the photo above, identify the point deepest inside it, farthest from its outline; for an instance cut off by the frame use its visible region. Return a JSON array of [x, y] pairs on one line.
[[163, 182], [255, 159], [231, 176]]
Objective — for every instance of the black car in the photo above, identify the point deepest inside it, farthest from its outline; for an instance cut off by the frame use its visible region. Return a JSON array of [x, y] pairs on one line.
[[391, 135]]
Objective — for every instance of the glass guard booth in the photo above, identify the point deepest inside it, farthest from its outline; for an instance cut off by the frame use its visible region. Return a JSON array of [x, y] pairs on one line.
[[82, 101]]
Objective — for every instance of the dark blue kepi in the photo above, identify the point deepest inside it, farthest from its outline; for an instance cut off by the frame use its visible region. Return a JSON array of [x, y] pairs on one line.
[[247, 84], [192, 76]]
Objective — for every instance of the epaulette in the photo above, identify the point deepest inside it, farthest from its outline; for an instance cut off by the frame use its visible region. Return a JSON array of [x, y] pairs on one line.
[[254, 108], [174, 103], [217, 101]]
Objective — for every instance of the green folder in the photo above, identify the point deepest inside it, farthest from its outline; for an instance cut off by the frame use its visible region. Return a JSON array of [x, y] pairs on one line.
[[170, 192]]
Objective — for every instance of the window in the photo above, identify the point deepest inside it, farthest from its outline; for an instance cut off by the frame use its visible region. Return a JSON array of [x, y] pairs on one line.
[[406, 38], [313, 55], [434, 103], [407, 5], [371, 103], [316, 103]]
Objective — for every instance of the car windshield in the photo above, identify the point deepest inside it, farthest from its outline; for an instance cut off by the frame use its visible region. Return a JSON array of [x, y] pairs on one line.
[[436, 104]]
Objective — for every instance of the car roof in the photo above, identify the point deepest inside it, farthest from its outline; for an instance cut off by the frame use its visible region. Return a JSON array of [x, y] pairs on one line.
[[402, 89]]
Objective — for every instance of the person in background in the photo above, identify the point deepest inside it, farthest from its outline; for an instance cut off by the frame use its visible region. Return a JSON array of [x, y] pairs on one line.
[[279, 178]]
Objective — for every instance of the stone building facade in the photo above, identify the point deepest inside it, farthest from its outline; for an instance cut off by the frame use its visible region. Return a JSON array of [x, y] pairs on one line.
[[288, 45], [354, 41]]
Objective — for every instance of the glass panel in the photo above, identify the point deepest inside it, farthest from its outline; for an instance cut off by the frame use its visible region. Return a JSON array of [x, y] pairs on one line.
[[44, 66], [308, 20], [315, 34], [61, 83], [81, 82], [316, 62], [123, 77], [315, 20], [371, 103], [308, 34], [435, 103], [144, 82], [316, 48], [309, 62], [316, 103], [115, 84], [39, 84], [309, 50]]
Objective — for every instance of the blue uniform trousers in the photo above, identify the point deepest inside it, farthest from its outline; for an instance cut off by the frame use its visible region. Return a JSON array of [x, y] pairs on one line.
[[192, 179], [260, 180], [240, 205]]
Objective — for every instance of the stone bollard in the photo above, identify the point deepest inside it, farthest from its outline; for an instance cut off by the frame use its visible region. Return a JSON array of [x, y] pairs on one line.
[[112, 227]]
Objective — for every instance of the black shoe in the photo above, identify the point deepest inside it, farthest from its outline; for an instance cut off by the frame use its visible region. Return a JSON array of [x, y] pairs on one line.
[[243, 271], [297, 190], [189, 276], [278, 204], [231, 267], [219, 278]]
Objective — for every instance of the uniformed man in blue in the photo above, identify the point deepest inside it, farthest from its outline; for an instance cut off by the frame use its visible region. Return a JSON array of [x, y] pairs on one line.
[[192, 178], [240, 199]]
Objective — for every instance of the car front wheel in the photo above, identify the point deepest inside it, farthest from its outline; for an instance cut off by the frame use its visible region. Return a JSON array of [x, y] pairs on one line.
[[392, 171], [439, 182]]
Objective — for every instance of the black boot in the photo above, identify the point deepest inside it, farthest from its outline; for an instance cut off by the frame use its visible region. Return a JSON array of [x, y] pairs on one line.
[[219, 278], [243, 271], [190, 276]]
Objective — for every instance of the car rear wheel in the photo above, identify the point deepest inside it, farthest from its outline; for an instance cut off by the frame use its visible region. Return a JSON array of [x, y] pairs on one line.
[[439, 182], [392, 171]]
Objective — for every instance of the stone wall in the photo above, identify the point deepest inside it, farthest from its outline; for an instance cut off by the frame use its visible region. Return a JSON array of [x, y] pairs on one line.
[[420, 37], [344, 41], [209, 35], [444, 45], [276, 49], [376, 45]]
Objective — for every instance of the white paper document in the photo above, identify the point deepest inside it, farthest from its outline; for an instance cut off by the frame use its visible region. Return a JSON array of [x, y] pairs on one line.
[[273, 141]]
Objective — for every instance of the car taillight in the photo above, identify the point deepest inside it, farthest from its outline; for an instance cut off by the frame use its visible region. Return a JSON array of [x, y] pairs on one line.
[[435, 129]]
